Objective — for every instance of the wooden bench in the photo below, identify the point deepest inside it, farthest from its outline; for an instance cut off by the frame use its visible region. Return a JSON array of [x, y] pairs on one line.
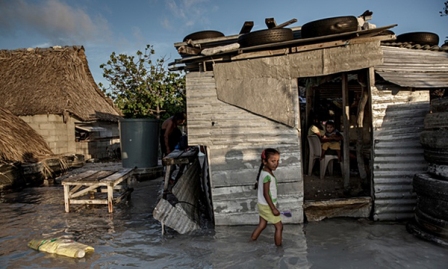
[[89, 182]]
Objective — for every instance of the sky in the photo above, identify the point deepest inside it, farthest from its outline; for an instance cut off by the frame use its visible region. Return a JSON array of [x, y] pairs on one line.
[[106, 26]]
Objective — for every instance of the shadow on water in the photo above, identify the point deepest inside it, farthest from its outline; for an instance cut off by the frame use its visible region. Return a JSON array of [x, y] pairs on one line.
[[131, 237]]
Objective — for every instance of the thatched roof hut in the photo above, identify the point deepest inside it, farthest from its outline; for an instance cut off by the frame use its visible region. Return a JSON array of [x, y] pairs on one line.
[[19, 142], [53, 80]]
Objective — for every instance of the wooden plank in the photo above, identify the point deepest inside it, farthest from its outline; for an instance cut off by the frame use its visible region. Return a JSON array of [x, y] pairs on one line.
[[83, 192], [117, 175], [88, 178], [291, 21], [270, 23], [180, 157], [353, 207], [181, 154], [346, 138], [67, 198], [79, 176], [247, 27], [324, 45], [110, 197], [89, 202], [74, 189], [337, 43], [98, 176], [258, 54], [188, 50]]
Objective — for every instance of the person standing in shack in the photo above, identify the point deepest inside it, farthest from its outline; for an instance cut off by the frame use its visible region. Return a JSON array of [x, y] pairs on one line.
[[170, 135]]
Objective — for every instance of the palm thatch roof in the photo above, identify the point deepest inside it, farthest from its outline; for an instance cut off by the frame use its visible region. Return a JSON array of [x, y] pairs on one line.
[[53, 80], [19, 142]]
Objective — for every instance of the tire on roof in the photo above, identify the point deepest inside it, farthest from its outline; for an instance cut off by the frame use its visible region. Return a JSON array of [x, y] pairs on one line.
[[422, 38], [387, 32], [265, 37], [203, 35], [329, 26]]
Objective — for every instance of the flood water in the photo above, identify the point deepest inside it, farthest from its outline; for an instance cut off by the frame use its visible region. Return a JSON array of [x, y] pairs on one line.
[[131, 238]]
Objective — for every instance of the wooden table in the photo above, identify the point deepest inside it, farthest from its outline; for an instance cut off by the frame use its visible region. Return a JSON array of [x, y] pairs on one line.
[[89, 182]]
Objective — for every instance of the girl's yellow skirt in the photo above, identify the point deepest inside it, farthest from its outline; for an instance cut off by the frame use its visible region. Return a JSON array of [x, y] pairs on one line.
[[266, 213]]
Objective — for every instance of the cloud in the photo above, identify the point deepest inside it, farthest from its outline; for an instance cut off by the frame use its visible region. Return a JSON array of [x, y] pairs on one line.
[[52, 19], [190, 12]]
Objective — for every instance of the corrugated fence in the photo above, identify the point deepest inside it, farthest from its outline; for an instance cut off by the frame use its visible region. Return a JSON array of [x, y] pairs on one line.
[[398, 116]]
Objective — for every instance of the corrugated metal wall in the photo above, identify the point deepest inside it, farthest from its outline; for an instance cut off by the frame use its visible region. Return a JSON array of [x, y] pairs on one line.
[[398, 116], [235, 138], [414, 67]]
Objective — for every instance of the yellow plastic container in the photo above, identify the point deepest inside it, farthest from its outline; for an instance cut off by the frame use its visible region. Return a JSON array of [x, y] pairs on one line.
[[66, 247]]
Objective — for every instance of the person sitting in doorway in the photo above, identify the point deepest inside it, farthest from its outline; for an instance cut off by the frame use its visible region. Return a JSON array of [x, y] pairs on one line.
[[170, 135], [331, 140], [315, 127]]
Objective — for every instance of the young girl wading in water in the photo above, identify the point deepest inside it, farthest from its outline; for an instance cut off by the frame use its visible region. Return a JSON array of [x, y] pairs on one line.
[[267, 195]]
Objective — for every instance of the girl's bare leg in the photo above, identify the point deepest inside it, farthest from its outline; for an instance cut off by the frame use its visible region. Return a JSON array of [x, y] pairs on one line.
[[261, 226], [278, 233]]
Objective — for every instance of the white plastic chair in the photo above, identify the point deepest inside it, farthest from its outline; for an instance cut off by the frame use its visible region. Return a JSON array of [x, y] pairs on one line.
[[315, 153]]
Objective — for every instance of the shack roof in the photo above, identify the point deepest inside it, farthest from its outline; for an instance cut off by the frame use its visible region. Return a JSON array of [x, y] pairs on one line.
[[413, 66], [297, 45], [19, 141], [52, 81]]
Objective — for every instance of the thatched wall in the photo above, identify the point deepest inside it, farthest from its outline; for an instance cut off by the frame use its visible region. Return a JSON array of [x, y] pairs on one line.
[[19, 142], [51, 81]]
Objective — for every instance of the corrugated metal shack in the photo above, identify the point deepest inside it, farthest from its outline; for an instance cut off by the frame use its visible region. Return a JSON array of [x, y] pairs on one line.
[[242, 100], [400, 101]]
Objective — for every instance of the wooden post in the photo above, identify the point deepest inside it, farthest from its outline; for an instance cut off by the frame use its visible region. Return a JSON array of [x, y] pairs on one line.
[[346, 141], [67, 198], [110, 197], [309, 104], [363, 99], [167, 177]]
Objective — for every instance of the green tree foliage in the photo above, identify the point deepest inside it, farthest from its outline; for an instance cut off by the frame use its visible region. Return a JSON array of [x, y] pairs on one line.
[[141, 87]]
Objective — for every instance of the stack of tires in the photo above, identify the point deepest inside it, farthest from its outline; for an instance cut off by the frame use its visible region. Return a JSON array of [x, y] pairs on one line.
[[317, 28], [431, 213]]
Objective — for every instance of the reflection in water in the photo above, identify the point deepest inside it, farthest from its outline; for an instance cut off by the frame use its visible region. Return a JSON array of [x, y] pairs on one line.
[[130, 237]]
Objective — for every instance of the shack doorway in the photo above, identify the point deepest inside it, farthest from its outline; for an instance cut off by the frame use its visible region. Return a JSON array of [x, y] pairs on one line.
[[338, 189]]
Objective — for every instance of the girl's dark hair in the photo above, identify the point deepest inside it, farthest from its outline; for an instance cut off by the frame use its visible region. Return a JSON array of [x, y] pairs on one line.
[[265, 154]]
